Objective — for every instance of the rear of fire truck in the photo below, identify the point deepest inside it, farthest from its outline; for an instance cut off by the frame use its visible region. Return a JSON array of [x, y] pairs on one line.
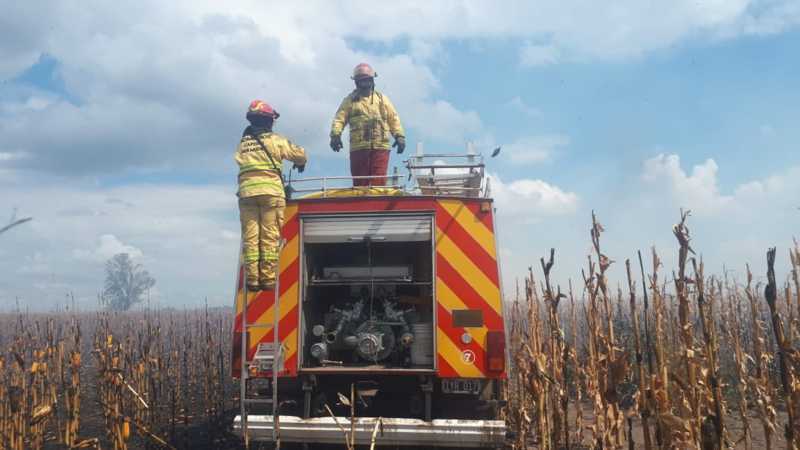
[[388, 324]]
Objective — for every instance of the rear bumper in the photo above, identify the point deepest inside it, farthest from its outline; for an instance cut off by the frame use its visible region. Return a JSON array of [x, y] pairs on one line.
[[453, 433]]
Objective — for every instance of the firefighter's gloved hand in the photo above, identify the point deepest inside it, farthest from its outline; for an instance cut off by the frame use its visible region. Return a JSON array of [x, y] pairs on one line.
[[336, 143], [300, 168], [400, 143]]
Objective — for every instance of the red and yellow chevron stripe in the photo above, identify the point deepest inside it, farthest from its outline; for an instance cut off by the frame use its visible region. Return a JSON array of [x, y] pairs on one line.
[[260, 305], [466, 278]]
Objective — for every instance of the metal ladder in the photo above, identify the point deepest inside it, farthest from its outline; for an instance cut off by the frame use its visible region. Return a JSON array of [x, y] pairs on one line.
[[275, 351]]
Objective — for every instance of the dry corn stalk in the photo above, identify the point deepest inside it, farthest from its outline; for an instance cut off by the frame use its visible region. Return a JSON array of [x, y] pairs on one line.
[[787, 356], [691, 404], [760, 383], [735, 316], [644, 406]]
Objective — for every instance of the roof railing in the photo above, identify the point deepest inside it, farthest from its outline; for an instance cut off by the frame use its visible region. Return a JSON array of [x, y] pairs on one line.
[[326, 185], [448, 174], [438, 174]]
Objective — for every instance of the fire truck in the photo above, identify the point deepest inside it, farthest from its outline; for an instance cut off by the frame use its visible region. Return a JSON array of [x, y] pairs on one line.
[[386, 323]]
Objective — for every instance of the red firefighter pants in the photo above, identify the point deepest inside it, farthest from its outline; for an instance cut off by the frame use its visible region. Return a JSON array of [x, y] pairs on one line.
[[369, 163]]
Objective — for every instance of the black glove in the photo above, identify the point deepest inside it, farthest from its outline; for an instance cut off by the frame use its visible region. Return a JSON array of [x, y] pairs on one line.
[[400, 143], [336, 143], [300, 168]]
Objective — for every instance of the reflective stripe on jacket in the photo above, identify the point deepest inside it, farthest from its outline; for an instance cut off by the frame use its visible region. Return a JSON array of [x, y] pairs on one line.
[[372, 120], [257, 174]]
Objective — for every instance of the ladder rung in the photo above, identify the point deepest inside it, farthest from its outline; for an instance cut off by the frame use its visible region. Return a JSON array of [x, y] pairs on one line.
[[258, 400]]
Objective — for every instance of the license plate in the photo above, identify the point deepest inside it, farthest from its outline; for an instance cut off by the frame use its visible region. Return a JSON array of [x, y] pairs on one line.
[[460, 386]]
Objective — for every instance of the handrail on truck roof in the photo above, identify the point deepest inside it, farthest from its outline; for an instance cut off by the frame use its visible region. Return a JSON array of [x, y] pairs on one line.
[[439, 175]]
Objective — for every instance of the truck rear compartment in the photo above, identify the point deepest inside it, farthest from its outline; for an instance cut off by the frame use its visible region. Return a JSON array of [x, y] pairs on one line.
[[387, 317], [367, 302]]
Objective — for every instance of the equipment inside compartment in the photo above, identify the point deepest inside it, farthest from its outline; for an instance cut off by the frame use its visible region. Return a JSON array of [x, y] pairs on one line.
[[368, 304]]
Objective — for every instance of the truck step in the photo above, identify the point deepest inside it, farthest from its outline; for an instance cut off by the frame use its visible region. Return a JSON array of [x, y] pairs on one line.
[[453, 433]]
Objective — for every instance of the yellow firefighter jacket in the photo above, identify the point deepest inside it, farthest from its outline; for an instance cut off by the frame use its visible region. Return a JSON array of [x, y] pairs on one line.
[[257, 174], [372, 119]]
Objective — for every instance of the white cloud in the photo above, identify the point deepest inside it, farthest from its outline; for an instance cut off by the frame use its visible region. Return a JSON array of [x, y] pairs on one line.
[[583, 27], [530, 200], [784, 186], [535, 149], [35, 264], [107, 247], [11, 156], [148, 89], [729, 227], [518, 104], [441, 120], [185, 236], [20, 43], [427, 50], [700, 190], [229, 235], [148, 79], [533, 55], [580, 28], [766, 17]]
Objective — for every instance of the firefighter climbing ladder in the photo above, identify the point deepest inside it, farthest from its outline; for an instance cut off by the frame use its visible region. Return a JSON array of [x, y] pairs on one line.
[[276, 353]]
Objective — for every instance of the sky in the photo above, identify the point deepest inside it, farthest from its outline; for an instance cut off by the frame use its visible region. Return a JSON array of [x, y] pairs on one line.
[[118, 123]]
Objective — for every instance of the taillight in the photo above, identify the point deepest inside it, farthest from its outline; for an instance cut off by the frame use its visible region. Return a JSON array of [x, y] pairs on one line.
[[495, 351]]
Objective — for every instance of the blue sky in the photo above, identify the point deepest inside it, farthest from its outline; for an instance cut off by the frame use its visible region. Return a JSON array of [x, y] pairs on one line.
[[117, 125]]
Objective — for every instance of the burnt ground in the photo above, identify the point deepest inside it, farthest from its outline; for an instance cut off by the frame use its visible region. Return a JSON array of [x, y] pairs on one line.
[[196, 431], [200, 434], [734, 428]]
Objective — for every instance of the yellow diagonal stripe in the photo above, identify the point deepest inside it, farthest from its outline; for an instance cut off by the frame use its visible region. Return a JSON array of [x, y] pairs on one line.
[[452, 354], [291, 344], [468, 270], [450, 301], [290, 252], [289, 213], [288, 301], [240, 294], [474, 227], [251, 297]]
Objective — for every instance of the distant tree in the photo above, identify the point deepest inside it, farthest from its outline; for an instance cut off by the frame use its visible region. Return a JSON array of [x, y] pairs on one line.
[[126, 282]]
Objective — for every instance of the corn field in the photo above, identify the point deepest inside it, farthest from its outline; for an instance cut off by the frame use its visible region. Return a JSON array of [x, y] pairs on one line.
[[116, 381], [664, 360], [661, 360]]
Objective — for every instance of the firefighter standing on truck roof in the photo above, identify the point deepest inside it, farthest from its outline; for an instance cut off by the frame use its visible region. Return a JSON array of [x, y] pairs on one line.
[[372, 119], [260, 156]]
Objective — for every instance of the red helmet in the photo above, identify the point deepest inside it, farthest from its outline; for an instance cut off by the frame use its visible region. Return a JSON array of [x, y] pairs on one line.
[[261, 108], [363, 70]]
